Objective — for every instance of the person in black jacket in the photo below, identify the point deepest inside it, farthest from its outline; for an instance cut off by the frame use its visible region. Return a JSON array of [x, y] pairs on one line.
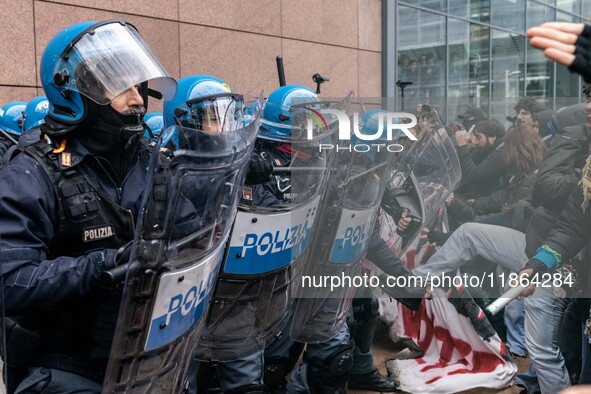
[[483, 169], [568, 44], [523, 152], [70, 201]]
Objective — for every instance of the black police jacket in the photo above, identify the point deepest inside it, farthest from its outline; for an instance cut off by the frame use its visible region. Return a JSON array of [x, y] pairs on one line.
[[54, 230]]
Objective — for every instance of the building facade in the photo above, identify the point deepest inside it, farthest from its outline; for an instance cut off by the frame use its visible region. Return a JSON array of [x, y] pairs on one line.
[[475, 52], [236, 40], [455, 52]]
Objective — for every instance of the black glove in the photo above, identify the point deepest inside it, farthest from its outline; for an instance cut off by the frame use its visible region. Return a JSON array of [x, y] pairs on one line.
[[260, 170], [103, 259], [536, 265], [437, 237], [390, 204], [114, 272], [582, 62]]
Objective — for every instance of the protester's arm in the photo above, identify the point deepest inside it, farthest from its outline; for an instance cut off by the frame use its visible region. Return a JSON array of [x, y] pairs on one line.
[[566, 43], [556, 176], [492, 203], [489, 168], [380, 254], [568, 237]]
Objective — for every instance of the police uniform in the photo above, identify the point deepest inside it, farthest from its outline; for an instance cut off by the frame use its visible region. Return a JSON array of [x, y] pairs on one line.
[[62, 218]]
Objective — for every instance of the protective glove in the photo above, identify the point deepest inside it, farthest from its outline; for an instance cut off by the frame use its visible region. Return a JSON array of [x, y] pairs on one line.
[[103, 259], [123, 254], [260, 170], [582, 63], [536, 265], [115, 263], [390, 205]]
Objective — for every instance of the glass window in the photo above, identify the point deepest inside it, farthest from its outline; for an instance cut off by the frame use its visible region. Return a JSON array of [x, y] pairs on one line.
[[508, 58], [568, 88], [564, 17], [468, 67], [509, 14], [421, 57], [540, 77], [586, 9], [478, 10], [538, 14], [573, 6], [437, 5]]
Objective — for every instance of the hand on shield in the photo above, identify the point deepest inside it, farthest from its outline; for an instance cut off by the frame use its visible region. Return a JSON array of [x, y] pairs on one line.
[[119, 265], [260, 169], [404, 222]]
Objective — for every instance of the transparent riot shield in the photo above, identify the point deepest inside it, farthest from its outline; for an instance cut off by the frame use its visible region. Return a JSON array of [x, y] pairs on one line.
[[348, 214], [184, 223], [426, 176], [4, 329], [271, 236]]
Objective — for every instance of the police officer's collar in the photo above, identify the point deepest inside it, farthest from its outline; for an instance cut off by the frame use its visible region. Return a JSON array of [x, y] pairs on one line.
[[75, 152]]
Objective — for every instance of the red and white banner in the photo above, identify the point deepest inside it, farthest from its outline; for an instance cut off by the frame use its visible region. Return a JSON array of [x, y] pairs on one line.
[[455, 357]]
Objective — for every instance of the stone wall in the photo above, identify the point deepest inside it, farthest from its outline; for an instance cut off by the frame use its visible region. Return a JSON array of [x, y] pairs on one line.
[[236, 40]]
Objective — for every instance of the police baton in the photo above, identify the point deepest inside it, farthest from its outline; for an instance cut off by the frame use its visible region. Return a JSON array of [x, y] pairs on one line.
[[111, 278], [9, 137], [280, 70]]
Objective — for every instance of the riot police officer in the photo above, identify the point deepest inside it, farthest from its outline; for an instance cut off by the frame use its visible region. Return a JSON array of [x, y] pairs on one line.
[[11, 124], [209, 104], [33, 117], [253, 299], [69, 201]]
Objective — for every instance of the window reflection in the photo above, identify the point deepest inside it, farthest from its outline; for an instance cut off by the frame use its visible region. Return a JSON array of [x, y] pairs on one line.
[[468, 66], [508, 67], [421, 57], [478, 55], [540, 74], [437, 5], [569, 5], [509, 14], [538, 14], [478, 10]]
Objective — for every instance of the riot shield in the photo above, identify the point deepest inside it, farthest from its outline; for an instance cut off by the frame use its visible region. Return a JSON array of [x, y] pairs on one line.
[[270, 239], [427, 174], [348, 214], [184, 223]]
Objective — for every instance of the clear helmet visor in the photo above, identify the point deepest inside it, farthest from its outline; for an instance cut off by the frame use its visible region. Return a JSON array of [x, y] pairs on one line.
[[216, 114], [219, 123], [109, 60]]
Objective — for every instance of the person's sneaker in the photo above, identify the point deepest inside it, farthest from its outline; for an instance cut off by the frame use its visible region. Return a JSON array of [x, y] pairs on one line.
[[373, 381]]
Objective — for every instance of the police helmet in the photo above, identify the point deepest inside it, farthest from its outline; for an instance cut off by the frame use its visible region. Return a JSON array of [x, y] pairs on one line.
[[35, 112], [11, 117], [155, 122], [97, 61], [205, 103], [280, 114], [374, 125]]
